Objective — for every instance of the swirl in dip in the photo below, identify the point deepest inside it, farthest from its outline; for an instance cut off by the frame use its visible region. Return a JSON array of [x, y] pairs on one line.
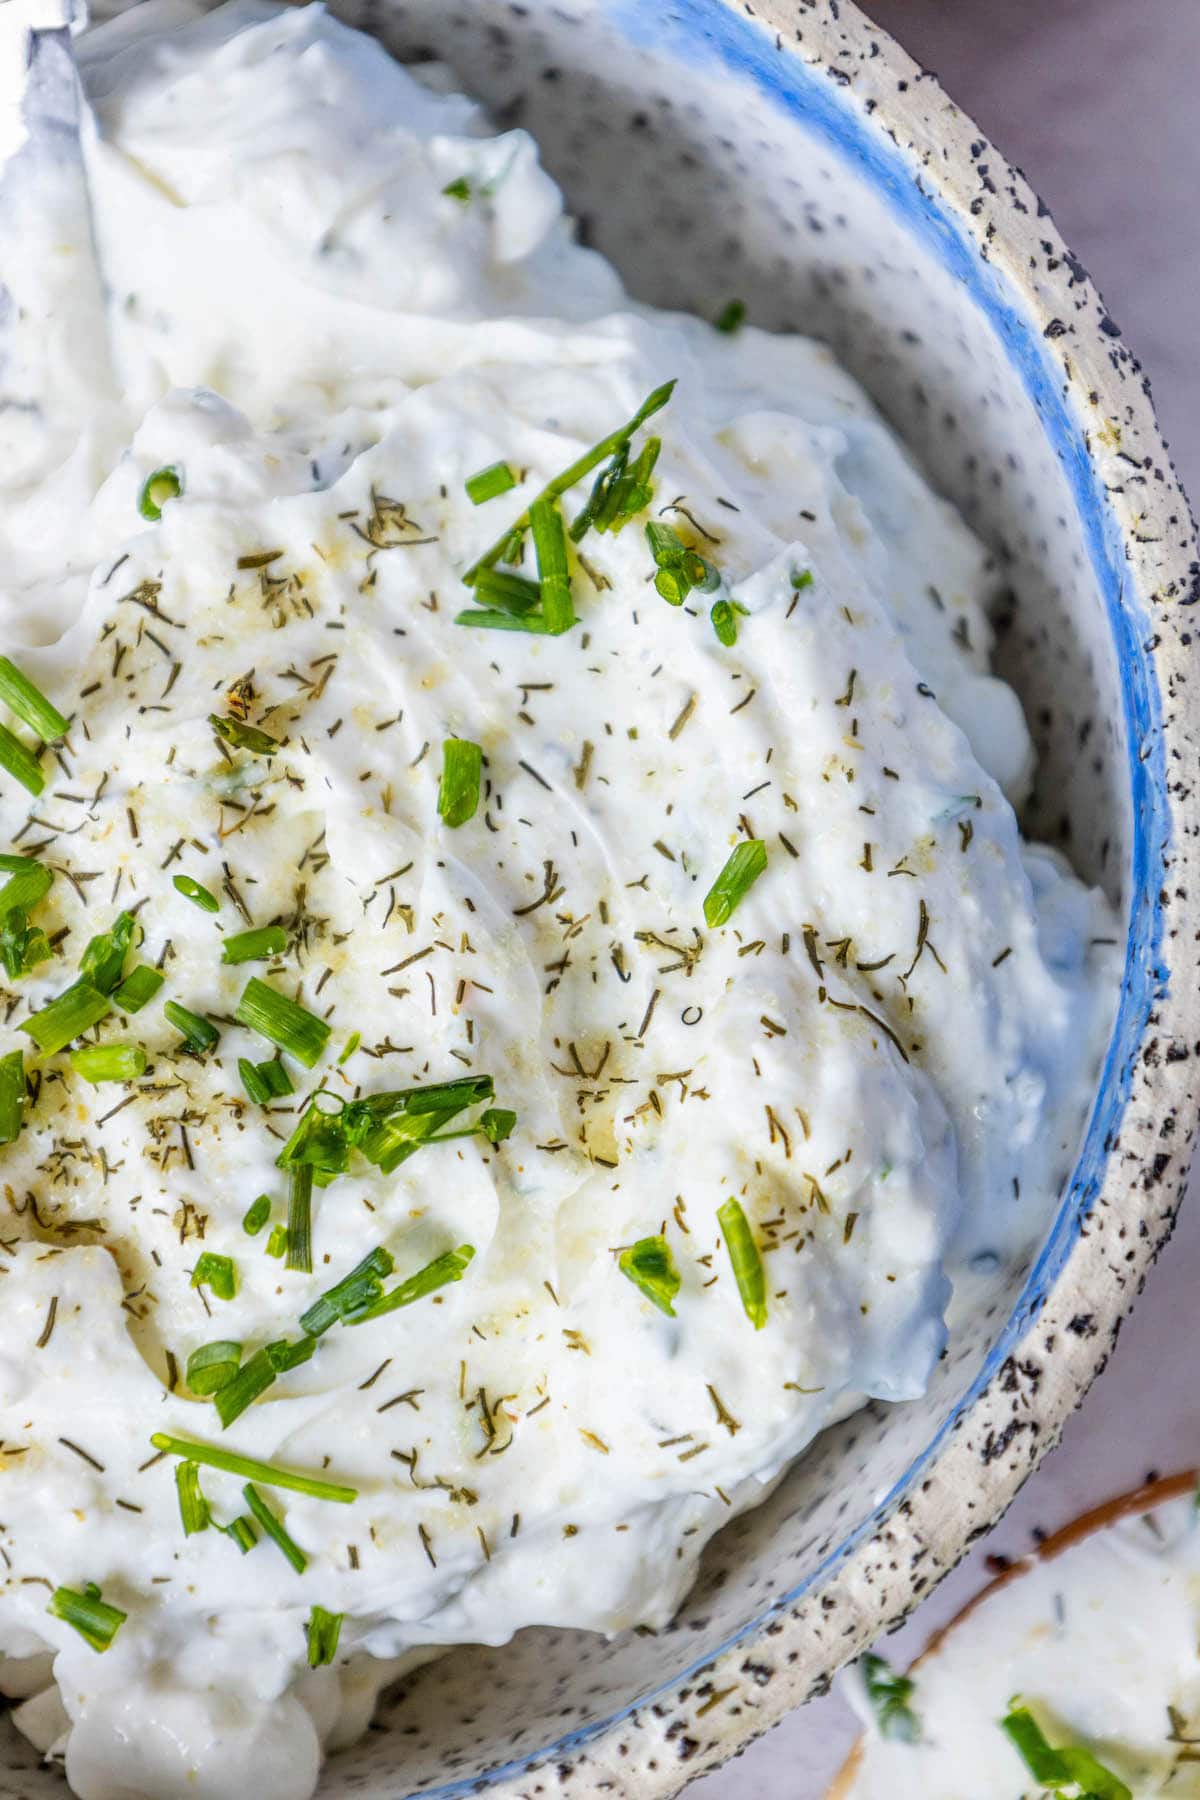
[[688, 856]]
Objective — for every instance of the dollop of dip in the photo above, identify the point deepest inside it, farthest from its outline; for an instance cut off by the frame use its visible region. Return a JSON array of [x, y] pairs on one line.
[[1088, 1653], [692, 846]]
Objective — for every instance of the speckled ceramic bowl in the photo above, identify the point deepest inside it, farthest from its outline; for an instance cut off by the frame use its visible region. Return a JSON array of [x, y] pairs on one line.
[[790, 153]]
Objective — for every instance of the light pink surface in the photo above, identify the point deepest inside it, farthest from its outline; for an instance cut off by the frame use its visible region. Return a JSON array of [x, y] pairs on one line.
[[1095, 100]]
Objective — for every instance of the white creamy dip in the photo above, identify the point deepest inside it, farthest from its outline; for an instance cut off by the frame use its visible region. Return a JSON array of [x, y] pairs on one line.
[[1098, 1643], [245, 264]]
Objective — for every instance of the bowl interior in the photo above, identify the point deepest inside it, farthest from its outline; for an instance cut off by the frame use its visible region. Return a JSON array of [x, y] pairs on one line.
[[707, 164]]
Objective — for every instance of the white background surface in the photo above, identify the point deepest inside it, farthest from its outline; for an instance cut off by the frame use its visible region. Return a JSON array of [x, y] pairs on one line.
[[1096, 101]]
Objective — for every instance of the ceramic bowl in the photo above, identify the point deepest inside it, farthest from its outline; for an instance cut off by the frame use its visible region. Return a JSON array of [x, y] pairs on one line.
[[791, 154]]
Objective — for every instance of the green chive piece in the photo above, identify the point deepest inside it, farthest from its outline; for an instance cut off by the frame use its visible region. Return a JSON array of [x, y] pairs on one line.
[[103, 962], [22, 946], [259, 945], [138, 988], [256, 1088], [498, 1123], [12, 1096], [211, 1367], [320, 1140], [19, 762], [299, 1222], [352, 1043], [324, 1630], [199, 1034], [360, 1288], [458, 189], [742, 869], [243, 736], [724, 620], [680, 568], [253, 1378], [550, 549], [212, 1457], [265, 1081], [29, 881], [93, 1618], [193, 1507], [30, 704], [489, 483], [163, 485], [801, 579], [458, 790], [731, 317], [75, 1011], [242, 1531], [489, 619], [109, 1062], [747, 1263], [390, 1127], [283, 1021], [257, 1214], [285, 1353], [1072, 1766], [651, 1268], [632, 491], [198, 895], [575, 471], [510, 592], [273, 1527], [889, 1695], [604, 489], [277, 1242], [218, 1273], [451, 1266]]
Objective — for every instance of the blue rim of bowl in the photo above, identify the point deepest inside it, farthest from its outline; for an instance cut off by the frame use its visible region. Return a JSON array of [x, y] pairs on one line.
[[709, 35]]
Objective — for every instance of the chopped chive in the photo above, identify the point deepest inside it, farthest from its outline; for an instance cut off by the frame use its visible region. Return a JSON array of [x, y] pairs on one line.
[[12, 1096], [299, 1221], [163, 485], [274, 1528], [742, 869], [109, 1062], [351, 1045], [731, 316], [197, 894], [651, 1268], [266, 1473], [324, 1630], [243, 736], [1072, 1766], [257, 1214], [285, 1354], [19, 762], [93, 1618], [256, 1088], [211, 1367], [489, 619], [603, 491], [802, 578], [443, 1269], [889, 1695], [510, 592], [458, 189], [30, 704], [193, 1507], [242, 1531], [488, 484], [631, 492], [320, 1140], [498, 1123], [746, 1261], [679, 567], [259, 945], [390, 1127], [360, 1288], [22, 945], [199, 1034], [29, 881], [583, 465], [458, 790], [550, 549], [277, 1241], [74, 1011], [253, 1378], [103, 961], [138, 988], [283, 1021], [265, 1081], [216, 1272], [724, 621]]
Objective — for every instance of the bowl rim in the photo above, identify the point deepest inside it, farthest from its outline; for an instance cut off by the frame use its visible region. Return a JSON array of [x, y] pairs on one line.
[[866, 97]]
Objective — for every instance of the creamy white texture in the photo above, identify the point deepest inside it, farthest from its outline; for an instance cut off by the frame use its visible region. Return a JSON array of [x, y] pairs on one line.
[[885, 1055], [1098, 1642]]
